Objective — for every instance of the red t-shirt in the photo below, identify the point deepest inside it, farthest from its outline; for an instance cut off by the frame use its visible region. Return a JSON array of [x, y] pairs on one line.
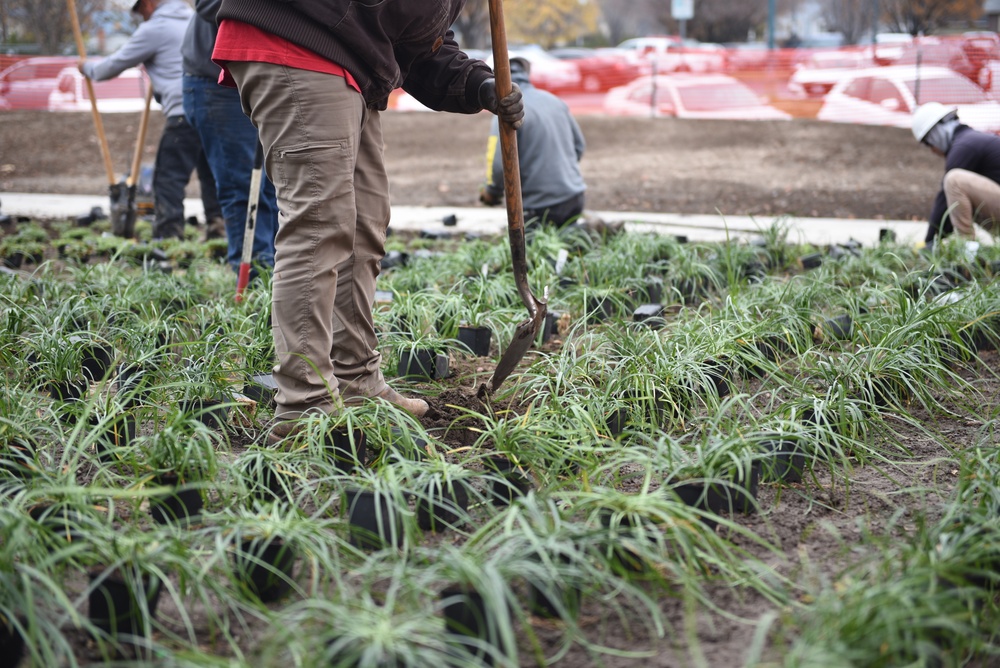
[[242, 42]]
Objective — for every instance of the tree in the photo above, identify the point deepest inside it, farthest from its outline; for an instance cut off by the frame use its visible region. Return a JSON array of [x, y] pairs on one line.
[[724, 20], [926, 16], [473, 25], [851, 18], [626, 18], [550, 22], [48, 22]]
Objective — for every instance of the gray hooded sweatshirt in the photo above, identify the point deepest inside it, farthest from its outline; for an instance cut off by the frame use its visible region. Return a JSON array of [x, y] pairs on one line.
[[156, 44], [549, 146]]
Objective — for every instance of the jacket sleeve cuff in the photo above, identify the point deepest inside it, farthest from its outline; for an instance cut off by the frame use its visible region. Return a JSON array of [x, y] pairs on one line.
[[476, 78]]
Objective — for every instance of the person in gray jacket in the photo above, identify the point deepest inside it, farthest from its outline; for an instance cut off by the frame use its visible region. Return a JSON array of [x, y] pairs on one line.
[[156, 45], [549, 145]]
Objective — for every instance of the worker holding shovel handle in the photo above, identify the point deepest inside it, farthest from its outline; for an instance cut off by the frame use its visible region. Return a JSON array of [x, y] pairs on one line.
[[314, 76]]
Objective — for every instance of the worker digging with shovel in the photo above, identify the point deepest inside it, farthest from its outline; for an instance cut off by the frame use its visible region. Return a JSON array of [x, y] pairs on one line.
[[314, 78], [156, 45]]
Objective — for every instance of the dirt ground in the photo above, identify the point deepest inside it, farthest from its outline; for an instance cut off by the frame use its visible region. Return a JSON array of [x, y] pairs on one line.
[[801, 167]]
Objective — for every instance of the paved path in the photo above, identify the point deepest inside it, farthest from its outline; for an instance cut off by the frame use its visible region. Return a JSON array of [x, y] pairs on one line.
[[819, 231]]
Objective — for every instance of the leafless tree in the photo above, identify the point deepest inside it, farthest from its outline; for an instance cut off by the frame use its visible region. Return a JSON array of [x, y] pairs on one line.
[[48, 22], [926, 16], [725, 20], [627, 18], [852, 18], [473, 24]]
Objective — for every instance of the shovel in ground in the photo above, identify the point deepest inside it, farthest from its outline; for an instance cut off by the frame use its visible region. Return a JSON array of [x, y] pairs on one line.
[[525, 333], [123, 209]]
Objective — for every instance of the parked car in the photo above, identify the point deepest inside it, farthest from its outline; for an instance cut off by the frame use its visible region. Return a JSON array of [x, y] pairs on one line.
[[889, 95], [817, 74], [948, 54], [27, 83], [686, 95], [124, 93], [660, 55], [600, 69], [547, 71]]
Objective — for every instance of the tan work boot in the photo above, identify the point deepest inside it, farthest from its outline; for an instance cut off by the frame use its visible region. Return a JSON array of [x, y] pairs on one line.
[[284, 429], [418, 407]]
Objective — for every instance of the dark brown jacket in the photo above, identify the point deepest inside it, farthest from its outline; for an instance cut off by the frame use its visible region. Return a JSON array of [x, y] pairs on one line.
[[384, 44]]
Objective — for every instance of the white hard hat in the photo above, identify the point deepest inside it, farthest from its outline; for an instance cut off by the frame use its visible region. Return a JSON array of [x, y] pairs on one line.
[[927, 116]]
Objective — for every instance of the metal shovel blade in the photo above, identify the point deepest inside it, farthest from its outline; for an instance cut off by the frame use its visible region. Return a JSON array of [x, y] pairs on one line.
[[123, 211], [524, 336]]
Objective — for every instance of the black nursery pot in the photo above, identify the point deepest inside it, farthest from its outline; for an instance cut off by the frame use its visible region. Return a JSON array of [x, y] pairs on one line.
[[466, 616], [423, 363], [261, 388], [511, 482], [550, 325], [68, 390], [265, 567], [546, 602], [811, 261], [133, 383], [348, 455], [182, 504], [650, 315], [115, 606], [443, 506], [786, 461], [723, 499], [839, 328], [374, 523], [210, 412], [97, 361], [625, 561], [476, 339], [11, 644]]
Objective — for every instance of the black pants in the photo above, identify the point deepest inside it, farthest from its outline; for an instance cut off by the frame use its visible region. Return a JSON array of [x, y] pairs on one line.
[[559, 215], [179, 154]]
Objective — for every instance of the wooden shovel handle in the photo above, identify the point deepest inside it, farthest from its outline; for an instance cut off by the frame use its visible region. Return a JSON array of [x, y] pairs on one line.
[[509, 158], [82, 50], [133, 174]]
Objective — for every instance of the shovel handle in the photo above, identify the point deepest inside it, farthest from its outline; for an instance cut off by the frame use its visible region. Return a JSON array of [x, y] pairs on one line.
[[509, 158], [250, 228], [82, 50], [133, 174]]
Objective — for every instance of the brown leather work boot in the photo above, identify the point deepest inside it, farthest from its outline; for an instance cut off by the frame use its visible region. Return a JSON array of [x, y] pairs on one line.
[[418, 407], [284, 429]]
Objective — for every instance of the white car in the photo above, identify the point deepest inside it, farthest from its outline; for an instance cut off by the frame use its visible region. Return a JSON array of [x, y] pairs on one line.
[[547, 72], [817, 75], [124, 93], [889, 96], [685, 95]]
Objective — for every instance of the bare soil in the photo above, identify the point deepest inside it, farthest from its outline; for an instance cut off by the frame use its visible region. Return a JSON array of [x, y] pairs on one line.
[[801, 167]]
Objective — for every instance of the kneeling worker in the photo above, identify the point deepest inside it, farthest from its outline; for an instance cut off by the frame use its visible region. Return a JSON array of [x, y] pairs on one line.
[[549, 145], [970, 192]]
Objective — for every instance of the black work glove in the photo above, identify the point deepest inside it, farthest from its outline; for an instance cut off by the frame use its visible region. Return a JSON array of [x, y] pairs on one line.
[[510, 109]]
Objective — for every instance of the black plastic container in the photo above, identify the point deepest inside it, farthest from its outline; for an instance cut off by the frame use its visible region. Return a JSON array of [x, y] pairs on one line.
[[443, 506], [467, 617], [182, 504], [115, 605], [260, 387], [212, 412], [349, 452], [423, 364], [374, 522], [265, 567], [785, 461], [476, 339], [11, 644], [650, 315], [511, 482], [720, 498]]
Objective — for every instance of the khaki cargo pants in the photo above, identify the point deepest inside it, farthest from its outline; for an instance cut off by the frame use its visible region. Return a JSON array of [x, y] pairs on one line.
[[323, 152], [972, 198]]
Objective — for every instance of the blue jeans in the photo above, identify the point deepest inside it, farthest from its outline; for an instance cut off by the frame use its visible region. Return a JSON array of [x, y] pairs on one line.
[[178, 154], [229, 140]]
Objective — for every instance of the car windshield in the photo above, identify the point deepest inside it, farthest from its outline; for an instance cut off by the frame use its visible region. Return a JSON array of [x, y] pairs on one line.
[[716, 97], [951, 90]]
